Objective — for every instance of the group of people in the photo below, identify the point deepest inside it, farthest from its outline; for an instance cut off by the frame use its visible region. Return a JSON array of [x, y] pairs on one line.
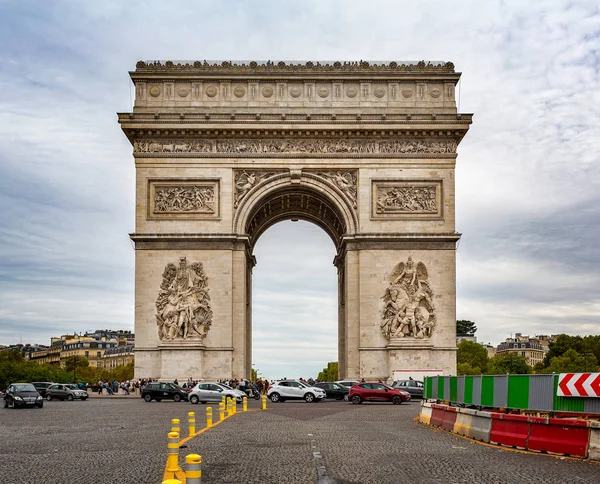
[[113, 386]]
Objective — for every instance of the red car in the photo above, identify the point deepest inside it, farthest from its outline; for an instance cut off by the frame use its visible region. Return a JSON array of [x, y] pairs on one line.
[[377, 392]]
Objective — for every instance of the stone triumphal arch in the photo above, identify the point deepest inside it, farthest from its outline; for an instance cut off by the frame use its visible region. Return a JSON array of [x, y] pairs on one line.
[[224, 150]]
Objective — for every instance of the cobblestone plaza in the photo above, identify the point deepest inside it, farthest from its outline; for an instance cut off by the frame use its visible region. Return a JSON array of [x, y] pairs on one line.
[[124, 440]]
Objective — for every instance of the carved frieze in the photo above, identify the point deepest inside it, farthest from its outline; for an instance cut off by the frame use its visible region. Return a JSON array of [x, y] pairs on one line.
[[246, 180], [183, 198], [345, 180], [183, 309], [408, 308], [407, 199], [298, 146]]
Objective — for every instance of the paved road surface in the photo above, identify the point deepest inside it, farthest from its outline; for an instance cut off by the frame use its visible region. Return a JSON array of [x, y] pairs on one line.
[[124, 441]]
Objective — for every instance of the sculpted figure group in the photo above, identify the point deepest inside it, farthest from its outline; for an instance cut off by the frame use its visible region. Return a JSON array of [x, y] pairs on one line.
[[184, 198], [408, 309], [183, 304], [407, 199]]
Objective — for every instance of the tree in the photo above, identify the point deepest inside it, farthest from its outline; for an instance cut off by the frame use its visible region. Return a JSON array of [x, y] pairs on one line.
[[508, 363], [465, 328], [571, 361], [72, 363], [467, 369], [474, 354], [330, 373], [253, 375]]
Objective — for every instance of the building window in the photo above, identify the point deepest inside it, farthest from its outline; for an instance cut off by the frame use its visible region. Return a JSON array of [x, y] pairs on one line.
[[522, 353], [99, 354], [87, 354]]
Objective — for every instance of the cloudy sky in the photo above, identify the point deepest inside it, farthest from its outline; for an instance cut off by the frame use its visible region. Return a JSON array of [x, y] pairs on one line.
[[528, 184]]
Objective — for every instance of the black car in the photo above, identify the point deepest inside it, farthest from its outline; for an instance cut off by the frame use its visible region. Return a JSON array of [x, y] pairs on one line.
[[164, 391], [334, 390], [414, 387], [22, 395], [41, 387]]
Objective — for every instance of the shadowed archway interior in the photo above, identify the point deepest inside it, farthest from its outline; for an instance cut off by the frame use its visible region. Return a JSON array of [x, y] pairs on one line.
[[296, 203]]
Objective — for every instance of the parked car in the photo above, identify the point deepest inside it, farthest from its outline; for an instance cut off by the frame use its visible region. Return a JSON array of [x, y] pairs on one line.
[[164, 391], [65, 391], [283, 390], [334, 390], [41, 387], [414, 387], [213, 392], [21, 395], [377, 392]]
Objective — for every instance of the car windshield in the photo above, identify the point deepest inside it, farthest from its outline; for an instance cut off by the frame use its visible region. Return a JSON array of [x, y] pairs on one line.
[[71, 387], [27, 387], [227, 387], [304, 384]]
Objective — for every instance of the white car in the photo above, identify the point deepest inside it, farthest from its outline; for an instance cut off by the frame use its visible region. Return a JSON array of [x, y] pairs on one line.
[[283, 390], [213, 392]]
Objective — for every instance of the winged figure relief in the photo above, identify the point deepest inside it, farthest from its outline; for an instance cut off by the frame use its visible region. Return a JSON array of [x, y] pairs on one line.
[[408, 308]]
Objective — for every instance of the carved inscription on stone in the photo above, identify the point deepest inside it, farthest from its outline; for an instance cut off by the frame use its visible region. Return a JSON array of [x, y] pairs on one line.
[[408, 308], [345, 180], [183, 308], [246, 181], [308, 146], [407, 198], [186, 198]]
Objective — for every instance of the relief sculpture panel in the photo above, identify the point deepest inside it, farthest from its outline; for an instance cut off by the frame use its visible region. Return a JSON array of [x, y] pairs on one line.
[[183, 198], [408, 309], [345, 180], [407, 199], [183, 308], [246, 180], [298, 146]]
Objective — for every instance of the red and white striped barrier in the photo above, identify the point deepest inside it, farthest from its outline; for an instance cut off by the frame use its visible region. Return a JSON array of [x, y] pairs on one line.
[[579, 385]]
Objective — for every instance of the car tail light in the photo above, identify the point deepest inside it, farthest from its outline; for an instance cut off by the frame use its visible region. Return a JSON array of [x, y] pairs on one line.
[[270, 386]]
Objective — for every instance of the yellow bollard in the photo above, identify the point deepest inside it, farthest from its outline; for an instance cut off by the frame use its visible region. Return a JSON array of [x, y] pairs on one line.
[[229, 408], [224, 401], [209, 417], [221, 410], [193, 469], [245, 404], [173, 452], [172, 481], [192, 423], [175, 425], [264, 402]]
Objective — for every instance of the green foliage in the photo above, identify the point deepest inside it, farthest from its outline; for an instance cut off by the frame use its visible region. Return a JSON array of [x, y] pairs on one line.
[[508, 363], [572, 361], [465, 328], [589, 345], [474, 355], [14, 368], [467, 369], [253, 375], [330, 373]]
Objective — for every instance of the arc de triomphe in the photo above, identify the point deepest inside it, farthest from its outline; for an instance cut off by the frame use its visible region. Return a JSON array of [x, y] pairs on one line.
[[224, 150]]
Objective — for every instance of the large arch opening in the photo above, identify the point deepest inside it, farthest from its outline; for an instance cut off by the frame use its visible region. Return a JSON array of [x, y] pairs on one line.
[[294, 301], [294, 291]]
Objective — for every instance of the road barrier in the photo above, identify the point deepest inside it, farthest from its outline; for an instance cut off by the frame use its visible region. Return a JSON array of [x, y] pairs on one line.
[[209, 422], [193, 469], [523, 392], [176, 425], [173, 452], [191, 423], [563, 436], [193, 462], [264, 402]]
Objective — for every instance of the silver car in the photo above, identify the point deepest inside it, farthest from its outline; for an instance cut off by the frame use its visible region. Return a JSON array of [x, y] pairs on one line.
[[213, 392], [65, 391]]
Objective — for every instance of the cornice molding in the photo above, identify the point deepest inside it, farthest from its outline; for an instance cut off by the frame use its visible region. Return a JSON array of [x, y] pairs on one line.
[[294, 67]]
